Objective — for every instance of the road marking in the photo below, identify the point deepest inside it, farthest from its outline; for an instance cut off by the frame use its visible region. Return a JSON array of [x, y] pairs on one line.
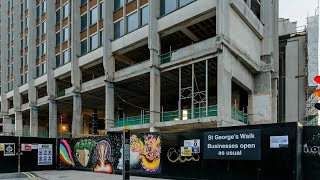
[[25, 173], [31, 176]]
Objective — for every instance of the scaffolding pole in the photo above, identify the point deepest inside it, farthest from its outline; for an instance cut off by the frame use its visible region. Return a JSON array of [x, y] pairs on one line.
[[207, 79], [192, 94], [179, 103]]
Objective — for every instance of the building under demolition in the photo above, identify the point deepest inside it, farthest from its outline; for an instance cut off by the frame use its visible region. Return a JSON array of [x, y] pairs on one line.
[[159, 65]]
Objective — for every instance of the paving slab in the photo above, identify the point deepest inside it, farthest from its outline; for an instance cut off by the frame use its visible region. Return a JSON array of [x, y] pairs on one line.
[[71, 175]]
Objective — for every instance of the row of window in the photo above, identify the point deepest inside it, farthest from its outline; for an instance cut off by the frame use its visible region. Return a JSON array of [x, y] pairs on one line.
[[167, 6], [94, 42], [23, 6], [93, 19], [43, 8], [43, 49], [65, 13], [133, 22], [43, 29], [62, 60], [41, 69], [65, 36]]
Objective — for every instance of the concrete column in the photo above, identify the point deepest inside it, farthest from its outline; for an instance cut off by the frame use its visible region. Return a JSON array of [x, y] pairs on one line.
[[155, 90], [109, 110], [4, 62], [34, 121], [155, 79], [270, 50], [77, 120], [223, 18], [108, 64], [224, 87], [18, 123], [75, 44], [8, 127], [262, 99], [16, 58], [53, 119]]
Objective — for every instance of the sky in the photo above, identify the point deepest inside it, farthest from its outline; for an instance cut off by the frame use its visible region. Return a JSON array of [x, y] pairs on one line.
[[297, 10]]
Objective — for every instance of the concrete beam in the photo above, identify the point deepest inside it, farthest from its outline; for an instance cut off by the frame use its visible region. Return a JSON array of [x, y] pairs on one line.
[[188, 33], [34, 121], [248, 17], [132, 71], [124, 59]]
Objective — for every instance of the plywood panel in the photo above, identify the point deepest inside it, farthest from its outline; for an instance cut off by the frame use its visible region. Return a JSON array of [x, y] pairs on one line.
[[93, 29], [65, 22], [83, 9], [118, 14], [143, 2], [83, 35], [65, 45], [93, 3], [131, 6]]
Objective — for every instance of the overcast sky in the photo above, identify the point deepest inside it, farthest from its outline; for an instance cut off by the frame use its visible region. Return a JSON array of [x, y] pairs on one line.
[[297, 10]]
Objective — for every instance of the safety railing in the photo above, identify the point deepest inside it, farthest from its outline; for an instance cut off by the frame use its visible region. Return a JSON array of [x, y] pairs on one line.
[[239, 116], [129, 121], [313, 122], [61, 93], [165, 58]]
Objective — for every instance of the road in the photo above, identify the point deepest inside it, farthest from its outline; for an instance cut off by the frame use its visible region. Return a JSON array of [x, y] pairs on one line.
[[65, 175]]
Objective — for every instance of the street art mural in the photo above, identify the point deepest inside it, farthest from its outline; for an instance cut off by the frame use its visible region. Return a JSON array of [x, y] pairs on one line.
[[174, 156], [145, 153], [103, 154], [102, 158]]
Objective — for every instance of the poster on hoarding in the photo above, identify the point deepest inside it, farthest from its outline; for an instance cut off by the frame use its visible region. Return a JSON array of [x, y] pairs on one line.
[[44, 154]]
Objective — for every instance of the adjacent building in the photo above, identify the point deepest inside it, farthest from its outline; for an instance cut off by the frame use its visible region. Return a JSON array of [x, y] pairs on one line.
[[157, 65]]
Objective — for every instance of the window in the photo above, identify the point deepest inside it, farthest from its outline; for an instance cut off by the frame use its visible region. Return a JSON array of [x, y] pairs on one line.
[[118, 4], [84, 22], [38, 70], [21, 8], [94, 42], [83, 47], [144, 15], [26, 22], [83, 2], [58, 16], [101, 12], [184, 2], [93, 16], [118, 29], [167, 6], [43, 27], [38, 32], [132, 22], [128, 1], [21, 45], [101, 38], [57, 60], [26, 41], [21, 62], [26, 5], [43, 67], [21, 26], [58, 39], [65, 34], [38, 12], [43, 48], [26, 77], [44, 6], [37, 52], [25, 59], [65, 10], [65, 57]]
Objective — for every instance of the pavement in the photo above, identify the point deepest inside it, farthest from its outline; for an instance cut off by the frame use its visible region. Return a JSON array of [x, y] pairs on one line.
[[65, 175]]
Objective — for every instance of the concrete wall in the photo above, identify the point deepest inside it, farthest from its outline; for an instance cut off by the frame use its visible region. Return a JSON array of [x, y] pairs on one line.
[[244, 37], [295, 84]]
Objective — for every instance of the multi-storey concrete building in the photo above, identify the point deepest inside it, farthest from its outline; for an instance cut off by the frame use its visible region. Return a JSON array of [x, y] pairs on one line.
[[156, 65], [298, 62]]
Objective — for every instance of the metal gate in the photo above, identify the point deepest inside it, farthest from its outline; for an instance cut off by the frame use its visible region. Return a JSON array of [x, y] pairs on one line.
[[8, 154], [21, 154]]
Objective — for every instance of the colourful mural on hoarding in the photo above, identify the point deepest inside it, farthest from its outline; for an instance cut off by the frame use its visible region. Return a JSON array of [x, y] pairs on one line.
[[103, 154]]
